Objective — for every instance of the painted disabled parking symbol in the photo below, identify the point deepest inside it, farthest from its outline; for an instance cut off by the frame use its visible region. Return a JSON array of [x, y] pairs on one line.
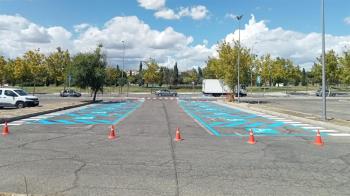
[[264, 131]]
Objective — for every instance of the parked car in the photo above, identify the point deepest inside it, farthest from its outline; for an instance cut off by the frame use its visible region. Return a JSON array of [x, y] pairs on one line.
[[328, 93], [69, 93], [165, 92], [16, 97]]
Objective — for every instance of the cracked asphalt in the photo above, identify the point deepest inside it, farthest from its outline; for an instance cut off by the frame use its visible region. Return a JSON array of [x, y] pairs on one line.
[[144, 160]]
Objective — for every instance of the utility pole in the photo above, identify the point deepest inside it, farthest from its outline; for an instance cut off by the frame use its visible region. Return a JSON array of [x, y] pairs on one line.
[[122, 84], [239, 52], [324, 112]]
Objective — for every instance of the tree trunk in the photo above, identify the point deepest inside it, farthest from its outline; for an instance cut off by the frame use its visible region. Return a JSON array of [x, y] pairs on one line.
[[94, 99]]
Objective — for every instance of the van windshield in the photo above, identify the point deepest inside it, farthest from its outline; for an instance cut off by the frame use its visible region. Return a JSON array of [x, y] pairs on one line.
[[21, 92]]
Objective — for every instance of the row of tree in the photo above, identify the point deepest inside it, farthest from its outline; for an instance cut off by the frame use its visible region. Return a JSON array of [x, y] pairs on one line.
[[268, 71], [91, 70]]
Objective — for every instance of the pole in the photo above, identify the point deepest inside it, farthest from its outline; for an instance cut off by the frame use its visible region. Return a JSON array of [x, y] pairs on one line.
[[238, 59], [122, 84], [324, 112]]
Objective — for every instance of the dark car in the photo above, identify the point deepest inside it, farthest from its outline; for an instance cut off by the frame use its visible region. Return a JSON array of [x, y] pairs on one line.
[[165, 92], [69, 93], [328, 93]]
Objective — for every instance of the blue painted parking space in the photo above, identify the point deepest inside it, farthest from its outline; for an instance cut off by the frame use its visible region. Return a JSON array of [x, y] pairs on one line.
[[102, 113], [220, 121]]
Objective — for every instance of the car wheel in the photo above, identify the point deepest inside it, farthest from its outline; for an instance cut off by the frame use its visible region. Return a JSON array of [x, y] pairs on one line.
[[19, 105]]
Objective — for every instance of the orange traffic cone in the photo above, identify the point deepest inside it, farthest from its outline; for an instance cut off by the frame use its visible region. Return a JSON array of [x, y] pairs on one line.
[[112, 133], [318, 140], [5, 130], [178, 135], [251, 137]]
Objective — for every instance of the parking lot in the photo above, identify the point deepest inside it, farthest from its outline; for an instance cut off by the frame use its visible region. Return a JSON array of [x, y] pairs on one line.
[[69, 153]]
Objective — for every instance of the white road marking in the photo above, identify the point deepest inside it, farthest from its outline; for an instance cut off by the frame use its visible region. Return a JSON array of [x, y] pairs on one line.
[[277, 118], [11, 124], [300, 124], [340, 134], [326, 131], [292, 122], [313, 127], [283, 120]]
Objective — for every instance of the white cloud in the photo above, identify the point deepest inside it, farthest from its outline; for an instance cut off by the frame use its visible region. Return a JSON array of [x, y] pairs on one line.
[[168, 14], [141, 41], [26, 35], [198, 12], [152, 4], [231, 16], [300, 47], [195, 12], [347, 20]]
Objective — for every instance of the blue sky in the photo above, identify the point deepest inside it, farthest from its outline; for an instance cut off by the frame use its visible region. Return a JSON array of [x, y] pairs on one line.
[[300, 16]]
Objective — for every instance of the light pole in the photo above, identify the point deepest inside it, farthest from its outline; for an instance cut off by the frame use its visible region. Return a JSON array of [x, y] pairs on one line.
[[251, 68], [122, 83], [324, 113], [239, 51]]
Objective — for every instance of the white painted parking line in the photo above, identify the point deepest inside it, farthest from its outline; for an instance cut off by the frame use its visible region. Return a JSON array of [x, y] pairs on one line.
[[313, 127], [38, 117], [11, 124], [283, 120], [340, 134], [166, 98], [326, 131], [29, 119], [297, 124], [292, 122], [277, 118], [268, 116]]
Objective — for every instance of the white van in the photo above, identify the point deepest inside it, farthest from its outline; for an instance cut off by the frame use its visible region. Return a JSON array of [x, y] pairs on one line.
[[16, 97], [215, 87]]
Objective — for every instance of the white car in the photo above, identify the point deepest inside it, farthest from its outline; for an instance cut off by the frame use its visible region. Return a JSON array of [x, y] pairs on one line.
[[16, 97]]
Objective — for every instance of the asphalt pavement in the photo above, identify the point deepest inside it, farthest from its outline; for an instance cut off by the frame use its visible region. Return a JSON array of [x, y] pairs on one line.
[[77, 158]]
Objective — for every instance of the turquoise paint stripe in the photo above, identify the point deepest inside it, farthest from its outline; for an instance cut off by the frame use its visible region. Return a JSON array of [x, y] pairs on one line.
[[234, 124], [127, 114], [89, 122], [213, 131], [256, 124], [216, 124], [274, 135], [66, 122], [46, 122], [277, 124], [104, 121]]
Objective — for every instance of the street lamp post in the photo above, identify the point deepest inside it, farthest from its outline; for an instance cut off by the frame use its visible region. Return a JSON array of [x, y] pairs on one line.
[[324, 114], [122, 84], [239, 51]]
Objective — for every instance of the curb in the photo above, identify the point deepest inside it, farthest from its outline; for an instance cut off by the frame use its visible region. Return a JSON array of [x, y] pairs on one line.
[[2, 120], [296, 118]]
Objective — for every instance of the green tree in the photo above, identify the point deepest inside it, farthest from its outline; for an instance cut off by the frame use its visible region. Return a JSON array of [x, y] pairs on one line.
[[111, 76], [345, 62], [37, 65], [304, 78], [3, 64], [175, 75], [151, 74], [9, 72], [333, 70], [58, 66], [190, 76], [200, 75], [90, 70]]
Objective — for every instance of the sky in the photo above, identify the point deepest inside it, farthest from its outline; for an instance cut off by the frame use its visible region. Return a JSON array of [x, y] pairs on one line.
[[169, 31]]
